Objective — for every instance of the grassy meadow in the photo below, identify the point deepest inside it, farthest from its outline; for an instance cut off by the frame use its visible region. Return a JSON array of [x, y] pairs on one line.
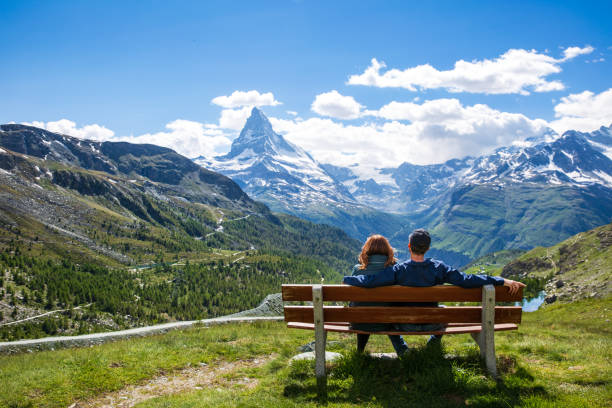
[[560, 356]]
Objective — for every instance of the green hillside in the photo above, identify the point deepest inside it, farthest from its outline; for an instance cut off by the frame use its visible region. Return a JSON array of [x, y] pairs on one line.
[[476, 220], [108, 251], [579, 267]]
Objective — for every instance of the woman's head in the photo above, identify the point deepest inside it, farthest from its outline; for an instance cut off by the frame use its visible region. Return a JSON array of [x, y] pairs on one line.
[[376, 245]]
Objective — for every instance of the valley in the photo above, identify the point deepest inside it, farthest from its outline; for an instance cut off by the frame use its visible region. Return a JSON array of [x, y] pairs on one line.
[[130, 235]]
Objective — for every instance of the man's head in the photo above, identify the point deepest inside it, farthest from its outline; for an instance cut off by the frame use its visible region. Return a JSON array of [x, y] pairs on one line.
[[419, 241]]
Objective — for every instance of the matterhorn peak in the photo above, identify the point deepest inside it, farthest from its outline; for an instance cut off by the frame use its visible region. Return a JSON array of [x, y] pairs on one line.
[[275, 171], [258, 138], [257, 123]]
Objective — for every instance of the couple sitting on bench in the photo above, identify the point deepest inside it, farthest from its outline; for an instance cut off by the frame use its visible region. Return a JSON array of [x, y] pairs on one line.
[[378, 267]]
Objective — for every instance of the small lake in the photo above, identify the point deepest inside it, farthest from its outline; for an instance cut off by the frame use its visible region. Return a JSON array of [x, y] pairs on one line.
[[532, 304]]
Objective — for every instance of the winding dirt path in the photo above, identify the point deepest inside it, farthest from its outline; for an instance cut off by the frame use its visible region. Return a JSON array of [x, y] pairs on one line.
[[44, 314], [185, 380]]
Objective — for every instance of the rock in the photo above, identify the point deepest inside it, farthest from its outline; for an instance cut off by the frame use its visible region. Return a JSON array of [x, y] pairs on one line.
[[559, 284], [384, 356], [550, 299], [311, 346], [329, 356], [272, 305], [307, 347]]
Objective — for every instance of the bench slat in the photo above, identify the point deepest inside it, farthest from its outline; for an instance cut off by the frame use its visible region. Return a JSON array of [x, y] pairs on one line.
[[448, 324], [340, 328], [378, 314], [439, 293]]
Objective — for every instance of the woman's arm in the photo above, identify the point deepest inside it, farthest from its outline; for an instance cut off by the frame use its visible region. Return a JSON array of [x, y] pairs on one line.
[[383, 278]]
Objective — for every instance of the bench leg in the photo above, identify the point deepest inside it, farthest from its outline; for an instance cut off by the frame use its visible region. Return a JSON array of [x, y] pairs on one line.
[[320, 340], [320, 373], [486, 338]]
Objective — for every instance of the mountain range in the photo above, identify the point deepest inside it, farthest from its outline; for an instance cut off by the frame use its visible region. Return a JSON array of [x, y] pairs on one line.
[[112, 235], [520, 196]]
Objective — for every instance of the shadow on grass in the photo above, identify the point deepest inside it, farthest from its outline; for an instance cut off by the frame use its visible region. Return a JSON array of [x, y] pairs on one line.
[[422, 377]]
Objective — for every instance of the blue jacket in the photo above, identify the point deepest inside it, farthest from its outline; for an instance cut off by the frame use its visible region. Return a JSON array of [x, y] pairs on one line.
[[427, 273]]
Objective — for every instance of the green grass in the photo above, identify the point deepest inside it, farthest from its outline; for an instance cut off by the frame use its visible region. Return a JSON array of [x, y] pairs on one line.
[[560, 356]]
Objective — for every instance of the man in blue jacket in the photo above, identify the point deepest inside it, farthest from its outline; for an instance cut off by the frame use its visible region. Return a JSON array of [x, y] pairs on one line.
[[421, 272]]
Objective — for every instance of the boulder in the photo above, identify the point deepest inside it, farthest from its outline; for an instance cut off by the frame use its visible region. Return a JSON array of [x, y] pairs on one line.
[[310, 355], [551, 299]]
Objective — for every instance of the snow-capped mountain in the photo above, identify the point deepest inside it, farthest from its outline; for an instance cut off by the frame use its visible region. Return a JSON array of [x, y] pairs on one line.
[[275, 171], [575, 158]]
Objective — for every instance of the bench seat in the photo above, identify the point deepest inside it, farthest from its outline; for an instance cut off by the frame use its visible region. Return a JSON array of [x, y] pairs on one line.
[[452, 328]]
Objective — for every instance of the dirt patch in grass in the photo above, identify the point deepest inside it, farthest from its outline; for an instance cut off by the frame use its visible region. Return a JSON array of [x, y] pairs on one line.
[[188, 379]]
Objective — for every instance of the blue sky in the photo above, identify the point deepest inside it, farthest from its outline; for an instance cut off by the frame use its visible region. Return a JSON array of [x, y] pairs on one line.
[[132, 68]]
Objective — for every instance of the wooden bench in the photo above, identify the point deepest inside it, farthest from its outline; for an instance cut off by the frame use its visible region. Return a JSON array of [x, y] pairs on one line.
[[480, 321]]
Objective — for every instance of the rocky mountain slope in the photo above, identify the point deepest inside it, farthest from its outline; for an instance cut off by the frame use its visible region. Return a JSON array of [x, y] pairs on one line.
[[579, 267]]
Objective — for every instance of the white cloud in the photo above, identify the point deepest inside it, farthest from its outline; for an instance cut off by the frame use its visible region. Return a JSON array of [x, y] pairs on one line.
[[443, 109], [584, 111], [596, 60], [68, 127], [572, 52], [515, 71], [335, 105], [439, 130], [234, 118], [292, 113], [449, 114], [250, 98], [186, 137]]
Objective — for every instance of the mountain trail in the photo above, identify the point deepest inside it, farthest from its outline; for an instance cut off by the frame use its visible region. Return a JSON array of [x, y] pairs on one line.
[[43, 314], [188, 379], [552, 261]]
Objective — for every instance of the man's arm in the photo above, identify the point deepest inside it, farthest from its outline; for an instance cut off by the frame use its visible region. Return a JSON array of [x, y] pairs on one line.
[[455, 277], [383, 278]]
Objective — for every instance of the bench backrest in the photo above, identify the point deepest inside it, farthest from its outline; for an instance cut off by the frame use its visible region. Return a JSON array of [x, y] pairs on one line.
[[395, 314]]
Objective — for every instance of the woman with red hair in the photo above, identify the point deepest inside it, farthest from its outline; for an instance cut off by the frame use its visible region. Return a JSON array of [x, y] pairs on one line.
[[375, 256]]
